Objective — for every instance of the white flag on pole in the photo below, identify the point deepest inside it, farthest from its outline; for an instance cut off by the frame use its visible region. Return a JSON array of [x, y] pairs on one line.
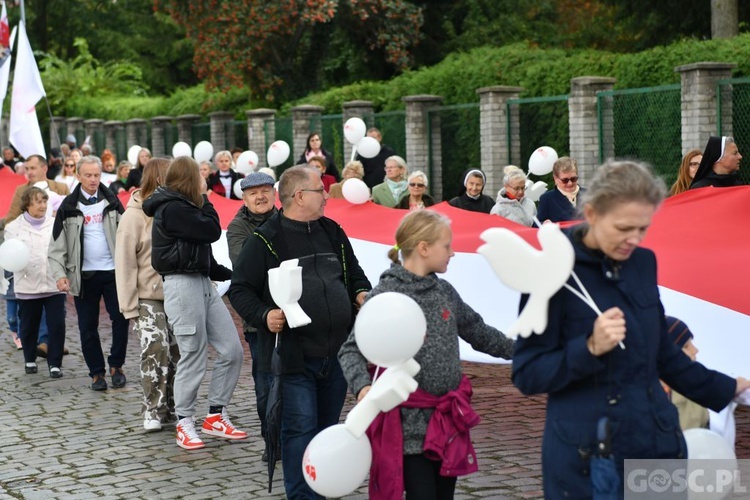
[[25, 133], [5, 58]]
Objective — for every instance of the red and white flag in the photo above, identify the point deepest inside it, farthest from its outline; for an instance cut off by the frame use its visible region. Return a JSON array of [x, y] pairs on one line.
[[5, 59], [25, 133]]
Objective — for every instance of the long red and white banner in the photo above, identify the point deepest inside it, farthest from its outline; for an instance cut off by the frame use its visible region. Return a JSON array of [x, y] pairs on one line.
[[701, 239]]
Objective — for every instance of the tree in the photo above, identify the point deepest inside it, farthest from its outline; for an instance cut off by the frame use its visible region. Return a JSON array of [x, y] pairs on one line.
[[724, 19], [270, 46]]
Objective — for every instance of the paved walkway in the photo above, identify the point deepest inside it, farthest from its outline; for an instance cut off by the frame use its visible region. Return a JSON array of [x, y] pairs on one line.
[[60, 439]]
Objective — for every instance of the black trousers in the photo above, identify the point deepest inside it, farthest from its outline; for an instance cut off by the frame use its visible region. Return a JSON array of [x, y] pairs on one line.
[[30, 316], [422, 479]]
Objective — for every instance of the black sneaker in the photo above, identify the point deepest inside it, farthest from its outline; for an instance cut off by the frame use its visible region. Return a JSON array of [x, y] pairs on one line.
[[99, 383], [55, 372], [30, 368], [118, 378]]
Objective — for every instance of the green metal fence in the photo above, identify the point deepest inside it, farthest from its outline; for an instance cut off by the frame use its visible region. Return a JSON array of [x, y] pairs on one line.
[[171, 137], [643, 124], [238, 130], [331, 129], [392, 125], [279, 129], [735, 93], [200, 132], [542, 121], [460, 146]]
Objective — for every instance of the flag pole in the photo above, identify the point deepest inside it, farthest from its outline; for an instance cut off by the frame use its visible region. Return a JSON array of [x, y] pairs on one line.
[[23, 13]]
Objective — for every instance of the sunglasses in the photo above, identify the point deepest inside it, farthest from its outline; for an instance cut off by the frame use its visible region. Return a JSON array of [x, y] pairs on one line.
[[573, 179], [416, 185], [70, 164]]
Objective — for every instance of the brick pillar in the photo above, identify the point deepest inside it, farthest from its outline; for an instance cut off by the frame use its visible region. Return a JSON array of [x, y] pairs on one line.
[[110, 133], [302, 117], [494, 123], [185, 128], [256, 132], [220, 121], [699, 102], [158, 143], [95, 129], [360, 109], [57, 131], [75, 127], [418, 136], [584, 123], [135, 131]]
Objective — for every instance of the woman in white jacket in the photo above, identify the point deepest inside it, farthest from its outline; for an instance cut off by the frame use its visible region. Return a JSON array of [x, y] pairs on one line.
[[35, 287], [511, 200]]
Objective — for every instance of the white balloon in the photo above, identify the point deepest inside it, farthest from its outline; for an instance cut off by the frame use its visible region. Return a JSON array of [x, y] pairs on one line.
[[368, 147], [180, 149], [539, 273], [278, 152], [336, 463], [354, 130], [247, 162], [355, 191], [536, 190], [390, 329], [541, 160], [133, 154], [14, 255], [237, 189], [711, 460], [203, 151]]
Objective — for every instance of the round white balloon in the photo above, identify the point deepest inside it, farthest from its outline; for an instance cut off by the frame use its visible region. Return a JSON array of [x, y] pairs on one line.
[[14, 255], [180, 149], [541, 160], [368, 147], [390, 329], [711, 461], [278, 152], [133, 154], [204, 151], [336, 463], [355, 191], [247, 162], [354, 130], [237, 190]]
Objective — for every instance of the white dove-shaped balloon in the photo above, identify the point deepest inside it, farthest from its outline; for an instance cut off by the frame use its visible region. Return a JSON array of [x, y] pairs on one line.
[[528, 270], [285, 285], [534, 190], [391, 389]]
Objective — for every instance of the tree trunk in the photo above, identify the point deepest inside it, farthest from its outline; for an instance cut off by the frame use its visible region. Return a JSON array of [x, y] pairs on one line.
[[724, 19]]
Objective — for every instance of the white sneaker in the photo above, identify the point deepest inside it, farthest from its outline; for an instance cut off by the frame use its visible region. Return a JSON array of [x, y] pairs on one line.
[[151, 424], [186, 436]]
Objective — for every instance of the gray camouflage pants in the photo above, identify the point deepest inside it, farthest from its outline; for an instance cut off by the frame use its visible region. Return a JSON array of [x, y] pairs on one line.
[[159, 356]]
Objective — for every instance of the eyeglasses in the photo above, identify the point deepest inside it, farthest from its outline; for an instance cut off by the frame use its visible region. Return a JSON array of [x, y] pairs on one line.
[[519, 188], [314, 190], [573, 179], [694, 164], [416, 185]]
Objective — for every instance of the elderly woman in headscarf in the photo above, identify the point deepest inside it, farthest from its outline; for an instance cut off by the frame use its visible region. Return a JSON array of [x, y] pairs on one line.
[[720, 164], [511, 199], [470, 196]]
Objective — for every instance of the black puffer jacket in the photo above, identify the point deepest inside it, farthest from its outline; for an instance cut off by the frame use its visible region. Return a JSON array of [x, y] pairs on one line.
[[182, 234]]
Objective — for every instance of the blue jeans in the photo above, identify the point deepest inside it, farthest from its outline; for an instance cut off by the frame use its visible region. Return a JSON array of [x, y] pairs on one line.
[[100, 285], [312, 401], [261, 380]]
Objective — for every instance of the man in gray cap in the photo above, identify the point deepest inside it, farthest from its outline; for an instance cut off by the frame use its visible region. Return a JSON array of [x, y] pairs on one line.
[[258, 197]]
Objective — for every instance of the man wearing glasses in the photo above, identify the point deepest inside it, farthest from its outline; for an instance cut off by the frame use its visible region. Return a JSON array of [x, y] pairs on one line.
[[561, 204], [313, 387]]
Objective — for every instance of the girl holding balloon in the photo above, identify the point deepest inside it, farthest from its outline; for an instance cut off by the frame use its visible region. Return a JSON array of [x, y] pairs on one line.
[[423, 241]]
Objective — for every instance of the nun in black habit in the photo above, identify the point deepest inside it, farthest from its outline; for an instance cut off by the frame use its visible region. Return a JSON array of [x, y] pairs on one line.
[[720, 164]]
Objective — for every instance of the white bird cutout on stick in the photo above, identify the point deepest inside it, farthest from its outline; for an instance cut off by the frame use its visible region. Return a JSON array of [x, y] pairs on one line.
[[539, 273], [285, 285]]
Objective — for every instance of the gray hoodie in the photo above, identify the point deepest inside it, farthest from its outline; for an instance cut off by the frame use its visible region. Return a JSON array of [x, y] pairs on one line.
[[448, 318]]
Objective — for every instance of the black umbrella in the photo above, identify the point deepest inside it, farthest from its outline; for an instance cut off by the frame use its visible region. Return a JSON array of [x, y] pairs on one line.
[[273, 415]]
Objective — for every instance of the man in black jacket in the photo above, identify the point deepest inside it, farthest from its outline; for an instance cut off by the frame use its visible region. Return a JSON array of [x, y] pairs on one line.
[[258, 197], [313, 387]]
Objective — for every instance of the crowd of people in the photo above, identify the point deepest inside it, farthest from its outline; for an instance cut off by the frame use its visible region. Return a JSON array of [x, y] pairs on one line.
[[153, 263]]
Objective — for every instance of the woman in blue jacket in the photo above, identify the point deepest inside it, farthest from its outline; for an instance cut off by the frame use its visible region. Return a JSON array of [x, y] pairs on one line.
[[578, 360]]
